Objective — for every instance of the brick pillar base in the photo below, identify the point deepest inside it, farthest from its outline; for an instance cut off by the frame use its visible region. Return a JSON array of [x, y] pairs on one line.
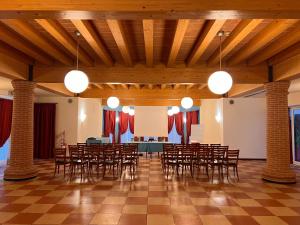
[[278, 150], [21, 152]]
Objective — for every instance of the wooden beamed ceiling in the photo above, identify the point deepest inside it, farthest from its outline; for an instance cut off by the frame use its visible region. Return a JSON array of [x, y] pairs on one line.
[[155, 55]]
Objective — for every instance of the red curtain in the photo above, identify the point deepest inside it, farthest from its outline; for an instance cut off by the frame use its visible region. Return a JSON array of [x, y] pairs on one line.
[[109, 123], [179, 125], [44, 130], [191, 118], [6, 108], [123, 124], [131, 123], [170, 123]]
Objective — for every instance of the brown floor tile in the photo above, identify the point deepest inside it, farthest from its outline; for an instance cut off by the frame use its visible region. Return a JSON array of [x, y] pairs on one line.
[[257, 211], [106, 208], [291, 220], [208, 210], [159, 209], [105, 218], [157, 194], [62, 208], [57, 218], [137, 200], [25, 218], [49, 200], [160, 219], [133, 219], [135, 209], [211, 220], [269, 202], [14, 207], [269, 220], [187, 220], [279, 196], [245, 220], [76, 218]]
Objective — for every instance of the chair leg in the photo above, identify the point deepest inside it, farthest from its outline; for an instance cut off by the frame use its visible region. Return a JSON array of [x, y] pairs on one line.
[[237, 173]]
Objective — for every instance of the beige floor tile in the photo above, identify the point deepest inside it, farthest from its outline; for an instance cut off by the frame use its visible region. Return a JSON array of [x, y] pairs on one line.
[[53, 218], [105, 219], [247, 202], [294, 195], [282, 211], [289, 202], [5, 216], [258, 195], [48, 187], [183, 209], [69, 200], [99, 193], [158, 201], [27, 200], [58, 193], [138, 194], [38, 208], [157, 219], [269, 220], [114, 200], [135, 209], [18, 193], [202, 201], [233, 211], [214, 219], [87, 208]]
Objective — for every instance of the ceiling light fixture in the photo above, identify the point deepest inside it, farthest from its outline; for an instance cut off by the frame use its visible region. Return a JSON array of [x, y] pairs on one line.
[[170, 112], [131, 112], [76, 81], [113, 102], [220, 82], [175, 109], [125, 109], [187, 102]]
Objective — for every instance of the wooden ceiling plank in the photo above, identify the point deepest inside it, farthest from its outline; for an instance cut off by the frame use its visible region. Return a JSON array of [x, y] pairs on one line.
[[172, 9], [28, 32], [163, 86], [62, 36], [117, 31], [239, 90], [260, 40], [148, 39], [181, 28], [149, 94], [91, 36], [159, 74], [207, 35], [176, 86], [189, 86], [15, 54], [289, 39], [150, 86], [201, 86], [154, 102], [243, 29], [288, 69], [17, 42], [125, 86], [285, 54], [59, 89], [111, 86], [100, 86]]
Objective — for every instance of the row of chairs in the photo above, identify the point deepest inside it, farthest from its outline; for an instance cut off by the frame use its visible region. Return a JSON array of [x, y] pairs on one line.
[[199, 156], [90, 158]]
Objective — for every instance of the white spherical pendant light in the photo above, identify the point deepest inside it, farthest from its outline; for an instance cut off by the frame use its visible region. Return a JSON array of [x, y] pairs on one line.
[[131, 112], [187, 102], [170, 112], [113, 102], [175, 109], [220, 82], [76, 81], [125, 109]]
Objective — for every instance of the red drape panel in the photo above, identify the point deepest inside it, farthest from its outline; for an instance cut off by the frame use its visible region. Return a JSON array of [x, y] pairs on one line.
[[109, 123], [6, 108], [44, 130], [131, 123], [191, 118], [179, 125], [170, 123], [123, 124]]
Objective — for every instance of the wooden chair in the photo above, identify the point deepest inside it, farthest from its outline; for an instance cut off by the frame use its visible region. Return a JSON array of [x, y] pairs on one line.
[[128, 159], [60, 159], [231, 160], [171, 160], [110, 159], [185, 159], [217, 156], [95, 158], [78, 159], [163, 157], [202, 159]]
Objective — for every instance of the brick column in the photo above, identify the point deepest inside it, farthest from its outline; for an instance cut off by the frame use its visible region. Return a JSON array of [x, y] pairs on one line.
[[21, 152], [278, 146]]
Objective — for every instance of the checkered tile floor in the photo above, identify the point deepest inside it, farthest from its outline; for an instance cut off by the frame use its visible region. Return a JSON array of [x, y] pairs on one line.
[[150, 199]]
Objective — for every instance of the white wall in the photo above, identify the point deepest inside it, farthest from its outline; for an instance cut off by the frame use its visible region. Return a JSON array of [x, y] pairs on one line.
[[244, 126], [89, 118], [68, 117], [294, 99], [212, 129]]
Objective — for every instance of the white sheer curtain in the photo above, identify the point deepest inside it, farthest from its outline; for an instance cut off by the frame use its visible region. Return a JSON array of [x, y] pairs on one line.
[[173, 135]]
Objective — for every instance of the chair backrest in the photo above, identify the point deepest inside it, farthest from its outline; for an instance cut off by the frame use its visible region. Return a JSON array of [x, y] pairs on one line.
[[218, 155], [233, 156], [60, 154], [168, 146]]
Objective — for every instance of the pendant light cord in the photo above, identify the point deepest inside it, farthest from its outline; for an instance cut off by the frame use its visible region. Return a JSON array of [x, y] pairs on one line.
[[220, 49], [77, 51]]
